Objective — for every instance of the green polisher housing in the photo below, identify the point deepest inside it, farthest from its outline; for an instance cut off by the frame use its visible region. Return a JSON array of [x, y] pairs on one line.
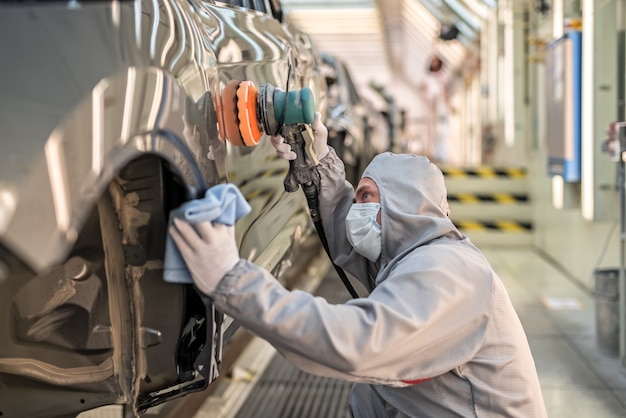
[[278, 107], [299, 108]]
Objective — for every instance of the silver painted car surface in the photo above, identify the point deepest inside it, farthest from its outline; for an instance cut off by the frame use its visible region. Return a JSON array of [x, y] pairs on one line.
[[109, 118]]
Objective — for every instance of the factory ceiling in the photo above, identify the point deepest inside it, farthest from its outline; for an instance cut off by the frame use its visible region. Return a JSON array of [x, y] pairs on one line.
[[391, 41]]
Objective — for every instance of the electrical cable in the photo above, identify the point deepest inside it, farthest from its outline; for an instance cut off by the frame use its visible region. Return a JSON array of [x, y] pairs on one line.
[[606, 245], [339, 270], [311, 194]]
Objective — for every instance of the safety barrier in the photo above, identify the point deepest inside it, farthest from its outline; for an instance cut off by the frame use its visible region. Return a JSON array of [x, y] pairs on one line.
[[503, 198], [504, 225], [484, 172], [491, 205]]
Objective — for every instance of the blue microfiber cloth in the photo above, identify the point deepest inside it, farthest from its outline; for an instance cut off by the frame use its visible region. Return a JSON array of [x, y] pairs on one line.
[[222, 203]]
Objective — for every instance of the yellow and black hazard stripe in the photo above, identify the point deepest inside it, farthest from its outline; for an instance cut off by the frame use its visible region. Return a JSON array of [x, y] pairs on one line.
[[499, 198], [484, 172], [502, 225], [281, 172], [260, 194]]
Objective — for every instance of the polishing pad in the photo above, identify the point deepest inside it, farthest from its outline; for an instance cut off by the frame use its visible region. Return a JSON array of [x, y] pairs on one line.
[[229, 105], [247, 106]]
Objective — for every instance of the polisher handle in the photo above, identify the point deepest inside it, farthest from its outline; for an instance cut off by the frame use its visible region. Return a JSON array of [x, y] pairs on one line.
[[300, 137], [291, 182], [309, 138]]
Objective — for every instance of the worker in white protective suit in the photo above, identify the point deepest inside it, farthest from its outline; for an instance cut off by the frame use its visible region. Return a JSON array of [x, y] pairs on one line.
[[434, 92], [436, 337]]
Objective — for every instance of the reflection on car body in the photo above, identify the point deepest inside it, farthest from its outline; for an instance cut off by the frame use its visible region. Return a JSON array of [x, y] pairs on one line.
[[109, 119]]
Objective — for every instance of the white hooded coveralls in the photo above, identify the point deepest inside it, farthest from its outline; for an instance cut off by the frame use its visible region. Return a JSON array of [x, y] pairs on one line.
[[436, 337]]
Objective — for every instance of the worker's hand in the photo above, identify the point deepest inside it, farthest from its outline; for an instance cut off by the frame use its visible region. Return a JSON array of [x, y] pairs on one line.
[[282, 149], [320, 141], [209, 253], [320, 137]]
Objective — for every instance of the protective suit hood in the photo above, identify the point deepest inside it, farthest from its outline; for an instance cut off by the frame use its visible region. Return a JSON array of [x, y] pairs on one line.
[[414, 204]]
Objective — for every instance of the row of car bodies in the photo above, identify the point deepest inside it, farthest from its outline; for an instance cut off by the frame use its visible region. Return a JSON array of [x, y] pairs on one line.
[[356, 130], [110, 118]]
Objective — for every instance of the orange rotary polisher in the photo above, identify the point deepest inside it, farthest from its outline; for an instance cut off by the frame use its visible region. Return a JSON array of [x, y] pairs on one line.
[[248, 112]]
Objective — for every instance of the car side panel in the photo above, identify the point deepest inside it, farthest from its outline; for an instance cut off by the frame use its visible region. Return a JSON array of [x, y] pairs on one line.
[[89, 92]]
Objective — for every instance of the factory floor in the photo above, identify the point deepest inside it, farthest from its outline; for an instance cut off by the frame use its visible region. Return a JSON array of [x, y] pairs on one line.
[[579, 378]]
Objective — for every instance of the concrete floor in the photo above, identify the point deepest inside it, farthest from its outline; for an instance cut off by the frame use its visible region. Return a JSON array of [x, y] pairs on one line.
[[578, 378]]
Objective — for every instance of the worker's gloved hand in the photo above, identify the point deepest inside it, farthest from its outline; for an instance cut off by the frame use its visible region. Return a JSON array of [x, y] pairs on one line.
[[320, 141], [282, 149], [320, 135], [209, 253]]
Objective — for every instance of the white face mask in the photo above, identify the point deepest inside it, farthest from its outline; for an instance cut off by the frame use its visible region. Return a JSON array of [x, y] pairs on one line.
[[363, 231]]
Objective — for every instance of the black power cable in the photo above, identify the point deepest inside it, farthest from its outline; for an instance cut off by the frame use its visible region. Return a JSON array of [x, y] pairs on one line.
[[310, 192], [301, 175]]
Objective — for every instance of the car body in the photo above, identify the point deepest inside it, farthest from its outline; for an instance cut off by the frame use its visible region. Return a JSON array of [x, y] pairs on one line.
[[110, 118]]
